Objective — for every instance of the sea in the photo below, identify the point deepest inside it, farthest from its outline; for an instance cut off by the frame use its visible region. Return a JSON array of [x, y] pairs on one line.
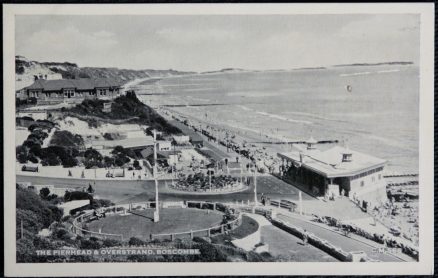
[[371, 109]]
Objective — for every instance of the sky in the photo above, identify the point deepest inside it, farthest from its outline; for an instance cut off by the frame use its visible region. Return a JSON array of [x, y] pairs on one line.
[[202, 43]]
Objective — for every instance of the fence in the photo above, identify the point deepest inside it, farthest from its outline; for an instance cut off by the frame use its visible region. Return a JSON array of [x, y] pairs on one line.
[[86, 233], [220, 229], [79, 230], [314, 240], [118, 209]]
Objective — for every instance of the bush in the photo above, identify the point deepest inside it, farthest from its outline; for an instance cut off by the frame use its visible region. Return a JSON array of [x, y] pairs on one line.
[[108, 161], [124, 107], [65, 138], [44, 193], [62, 234], [45, 212], [77, 195], [136, 241], [107, 243], [31, 221], [21, 154], [98, 203], [92, 243], [108, 136], [92, 158]]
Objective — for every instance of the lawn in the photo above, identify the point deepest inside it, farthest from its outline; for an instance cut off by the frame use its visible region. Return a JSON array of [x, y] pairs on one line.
[[291, 248], [247, 227], [172, 220]]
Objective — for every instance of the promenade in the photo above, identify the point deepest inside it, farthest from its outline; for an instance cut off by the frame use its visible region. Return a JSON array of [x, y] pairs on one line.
[[348, 244]]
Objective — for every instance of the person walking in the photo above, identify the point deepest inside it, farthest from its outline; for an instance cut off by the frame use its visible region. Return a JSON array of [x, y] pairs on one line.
[[305, 237]]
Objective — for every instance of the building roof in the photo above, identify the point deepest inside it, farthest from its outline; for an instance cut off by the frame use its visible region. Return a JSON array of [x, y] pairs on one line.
[[194, 136], [150, 152], [234, 165], [329, 162], [71, 205], [311, 140], [126, 143], [79, 84]]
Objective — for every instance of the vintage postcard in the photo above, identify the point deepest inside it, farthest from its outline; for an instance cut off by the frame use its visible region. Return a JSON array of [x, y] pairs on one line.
[[218, 139]]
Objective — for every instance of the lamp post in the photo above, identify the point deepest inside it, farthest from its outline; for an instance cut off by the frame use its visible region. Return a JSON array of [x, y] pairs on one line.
[[157, 211], [241, 173], [255, 185], [209, 178]]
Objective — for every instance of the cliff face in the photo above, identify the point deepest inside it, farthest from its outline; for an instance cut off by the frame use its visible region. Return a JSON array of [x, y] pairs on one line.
[[25, 70]]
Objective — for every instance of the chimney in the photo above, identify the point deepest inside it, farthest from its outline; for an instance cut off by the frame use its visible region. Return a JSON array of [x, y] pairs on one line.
[[347, 157], [311, 143], [301, 157]]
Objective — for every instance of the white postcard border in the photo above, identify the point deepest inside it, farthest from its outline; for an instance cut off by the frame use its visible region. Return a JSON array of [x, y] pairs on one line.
[[426, 143]]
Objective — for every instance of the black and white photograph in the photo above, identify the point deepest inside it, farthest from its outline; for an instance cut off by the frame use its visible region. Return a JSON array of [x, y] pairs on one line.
[[209, 134]]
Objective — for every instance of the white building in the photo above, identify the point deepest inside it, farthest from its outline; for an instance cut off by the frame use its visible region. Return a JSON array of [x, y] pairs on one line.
[[164, 145], [335, 171]]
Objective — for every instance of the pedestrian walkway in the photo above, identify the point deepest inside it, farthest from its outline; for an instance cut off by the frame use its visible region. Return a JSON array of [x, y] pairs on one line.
[[248, 243], [348, 244], [79, 172]]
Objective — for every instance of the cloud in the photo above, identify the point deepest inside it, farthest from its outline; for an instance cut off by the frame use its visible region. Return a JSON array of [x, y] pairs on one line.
[[190, 36], [382, 27], [104, 34], [66, 44]]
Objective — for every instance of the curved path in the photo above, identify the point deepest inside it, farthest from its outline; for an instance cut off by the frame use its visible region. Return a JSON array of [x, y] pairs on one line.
[[281, 243], [141, 190]]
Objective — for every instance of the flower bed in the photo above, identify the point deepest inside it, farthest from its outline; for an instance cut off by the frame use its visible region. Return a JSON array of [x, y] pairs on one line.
[[200, 182]]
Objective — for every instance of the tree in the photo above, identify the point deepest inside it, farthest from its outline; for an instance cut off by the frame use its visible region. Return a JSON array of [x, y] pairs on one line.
[[136, 241], [35, 150], [44, 193], [30, 222], [51, 160], [21, 153], [92, 158], [136, 164], [108, 161], [45, 212], [77, 195]]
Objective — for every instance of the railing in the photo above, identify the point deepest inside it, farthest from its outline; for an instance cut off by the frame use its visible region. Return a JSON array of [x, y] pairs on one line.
[[87, 233], [222, 228], [207, 232], [112, 209]]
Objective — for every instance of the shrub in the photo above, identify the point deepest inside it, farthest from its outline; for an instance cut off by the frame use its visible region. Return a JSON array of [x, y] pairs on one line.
[[108, 136], [98, 203], [44, 193], [45, 212], [21, 154], [91, 243], [108, 161], [77, 195], [136, 241], [30, 220], [65, 138], [110, 243], [62, 234]]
